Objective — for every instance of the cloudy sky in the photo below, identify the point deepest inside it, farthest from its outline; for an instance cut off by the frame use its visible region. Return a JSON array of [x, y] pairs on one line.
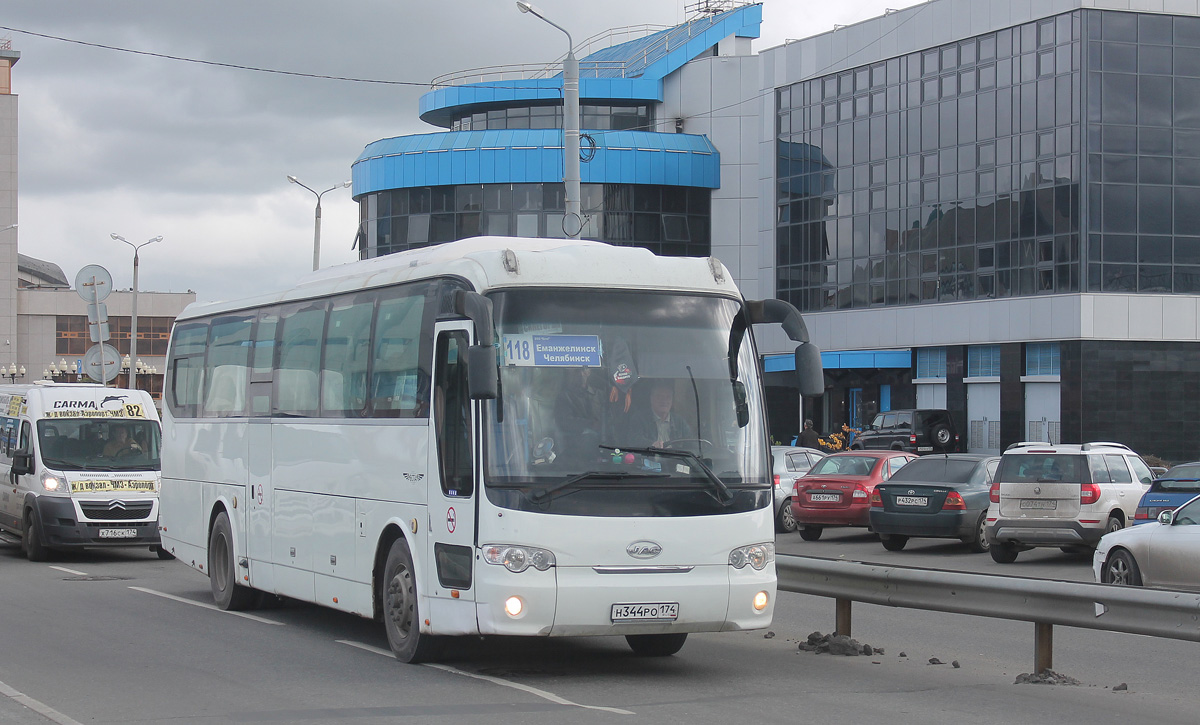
[[142, 146]]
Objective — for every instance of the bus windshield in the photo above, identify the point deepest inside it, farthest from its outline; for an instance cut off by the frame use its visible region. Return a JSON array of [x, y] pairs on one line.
[[618, 403], [99, 444]]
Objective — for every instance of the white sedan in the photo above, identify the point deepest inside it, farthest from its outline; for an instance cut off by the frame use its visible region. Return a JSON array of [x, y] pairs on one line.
[[1165, 554]]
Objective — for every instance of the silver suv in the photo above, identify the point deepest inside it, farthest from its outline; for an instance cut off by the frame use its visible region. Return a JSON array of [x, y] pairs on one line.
[[1062, 495]]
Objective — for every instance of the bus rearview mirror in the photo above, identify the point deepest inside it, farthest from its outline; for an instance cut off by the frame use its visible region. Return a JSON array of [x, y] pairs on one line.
[[482, 372], [809, 375]]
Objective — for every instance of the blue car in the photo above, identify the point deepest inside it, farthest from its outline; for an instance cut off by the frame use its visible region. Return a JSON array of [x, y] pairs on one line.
[[1168, 492]]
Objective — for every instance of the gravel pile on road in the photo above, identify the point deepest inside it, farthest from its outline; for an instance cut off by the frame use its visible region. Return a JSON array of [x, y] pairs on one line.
[[837, 644], [1046, 677]]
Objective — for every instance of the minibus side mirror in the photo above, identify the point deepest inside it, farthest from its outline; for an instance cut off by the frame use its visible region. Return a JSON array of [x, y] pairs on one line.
[[22, 464]]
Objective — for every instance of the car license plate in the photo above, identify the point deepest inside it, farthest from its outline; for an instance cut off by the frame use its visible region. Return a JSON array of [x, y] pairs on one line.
[[825, 497], [645, 612], [912, 500], [924, 449], [1034, 503], [118, 533]]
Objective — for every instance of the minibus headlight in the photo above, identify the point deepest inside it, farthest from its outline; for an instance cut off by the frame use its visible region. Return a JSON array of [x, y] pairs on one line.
[[50, 482], [518, 558], [756, 555]]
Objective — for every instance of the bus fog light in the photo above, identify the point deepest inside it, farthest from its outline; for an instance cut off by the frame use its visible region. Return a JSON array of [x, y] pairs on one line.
[[513, 606], [760, 601]]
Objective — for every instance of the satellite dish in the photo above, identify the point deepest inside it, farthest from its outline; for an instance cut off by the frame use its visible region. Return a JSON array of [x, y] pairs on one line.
[[93, 283]]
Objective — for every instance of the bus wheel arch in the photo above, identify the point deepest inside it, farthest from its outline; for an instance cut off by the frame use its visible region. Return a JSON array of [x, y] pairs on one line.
[[401, 608], [227, 593]]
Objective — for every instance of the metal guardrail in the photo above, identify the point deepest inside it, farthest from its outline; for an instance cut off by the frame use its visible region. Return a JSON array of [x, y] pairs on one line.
[[1157, 613]]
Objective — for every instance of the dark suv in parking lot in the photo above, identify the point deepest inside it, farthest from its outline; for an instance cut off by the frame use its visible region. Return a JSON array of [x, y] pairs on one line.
[[920, 431]]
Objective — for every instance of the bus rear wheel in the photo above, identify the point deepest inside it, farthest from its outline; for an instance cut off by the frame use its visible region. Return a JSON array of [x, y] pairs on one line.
[[401, 614], [655, 645], [222, 569]]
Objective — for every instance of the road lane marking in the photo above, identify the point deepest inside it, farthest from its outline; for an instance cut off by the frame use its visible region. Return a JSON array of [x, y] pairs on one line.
[[40, 708], [205, 605], [494, 680], [69, 571]]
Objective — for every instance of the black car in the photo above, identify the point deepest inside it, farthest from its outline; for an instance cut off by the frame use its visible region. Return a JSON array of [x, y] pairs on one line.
[[943, 496], [919, 430]]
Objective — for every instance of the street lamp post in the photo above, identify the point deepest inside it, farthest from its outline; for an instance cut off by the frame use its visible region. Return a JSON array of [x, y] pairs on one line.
[[12, 372], [573, 224], [133, 331], [317, 219]]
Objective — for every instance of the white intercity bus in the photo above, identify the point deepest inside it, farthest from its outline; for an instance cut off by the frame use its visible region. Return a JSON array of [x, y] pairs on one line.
[[81, 463], [490, 436]]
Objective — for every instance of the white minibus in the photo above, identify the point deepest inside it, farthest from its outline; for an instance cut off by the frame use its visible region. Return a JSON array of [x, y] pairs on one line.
[[489, 436], [82, 463]]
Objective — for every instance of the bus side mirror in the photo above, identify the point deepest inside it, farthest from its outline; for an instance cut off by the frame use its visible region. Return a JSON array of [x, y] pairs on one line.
[[809, 374], [22, 463], [481, 372]]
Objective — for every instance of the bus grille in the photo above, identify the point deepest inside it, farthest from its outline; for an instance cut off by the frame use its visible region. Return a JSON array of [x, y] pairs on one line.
[[117, 510]]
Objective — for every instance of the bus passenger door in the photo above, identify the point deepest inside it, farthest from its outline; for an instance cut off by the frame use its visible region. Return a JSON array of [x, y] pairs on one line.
[[452, 484]]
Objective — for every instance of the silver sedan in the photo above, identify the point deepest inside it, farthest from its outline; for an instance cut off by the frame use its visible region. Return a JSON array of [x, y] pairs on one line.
[[1165, 554]]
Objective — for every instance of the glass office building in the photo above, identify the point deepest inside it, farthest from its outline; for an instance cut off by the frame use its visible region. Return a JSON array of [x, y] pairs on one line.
[[1023, 191]]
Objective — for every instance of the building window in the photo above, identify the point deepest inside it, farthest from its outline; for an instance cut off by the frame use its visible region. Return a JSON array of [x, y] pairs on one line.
[[983, 361], [1041, 358], [931, 362], [73, 338], [958, 176], [667, 220], [591, 117]]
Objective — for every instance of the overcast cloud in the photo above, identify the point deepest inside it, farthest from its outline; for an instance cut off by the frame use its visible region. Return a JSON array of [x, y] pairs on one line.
[[143, 146]]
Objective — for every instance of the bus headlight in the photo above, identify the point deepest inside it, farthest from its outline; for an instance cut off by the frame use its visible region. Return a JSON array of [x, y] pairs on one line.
[[518, 558], [50, 482], [756, 555]]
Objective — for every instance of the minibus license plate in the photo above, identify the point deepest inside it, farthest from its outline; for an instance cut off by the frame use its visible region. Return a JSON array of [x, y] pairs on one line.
[[912, 500], [825, 497], [118, 533], [1034, 503], [647, 612]]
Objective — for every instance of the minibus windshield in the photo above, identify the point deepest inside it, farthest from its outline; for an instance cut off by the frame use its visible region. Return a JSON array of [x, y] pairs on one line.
[[99, 444]]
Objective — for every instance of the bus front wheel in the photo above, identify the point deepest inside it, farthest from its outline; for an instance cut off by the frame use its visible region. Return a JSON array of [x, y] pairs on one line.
[[656, 645], [401, 615], [222, 569]]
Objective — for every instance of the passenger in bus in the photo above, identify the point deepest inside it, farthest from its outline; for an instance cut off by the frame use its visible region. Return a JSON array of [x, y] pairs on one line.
[[120, 442], [658, 424], [579, 416]]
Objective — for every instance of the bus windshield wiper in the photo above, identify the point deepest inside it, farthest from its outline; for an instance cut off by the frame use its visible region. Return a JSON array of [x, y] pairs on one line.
[[724, 495], [545, 493]]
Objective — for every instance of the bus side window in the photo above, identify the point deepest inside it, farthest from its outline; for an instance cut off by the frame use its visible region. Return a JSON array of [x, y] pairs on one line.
[[452, 413], [397, 388], [227, 365], [185, 383]]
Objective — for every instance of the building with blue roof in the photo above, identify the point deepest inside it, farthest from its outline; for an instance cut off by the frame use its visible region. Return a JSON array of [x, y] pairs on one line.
[[653, 174]]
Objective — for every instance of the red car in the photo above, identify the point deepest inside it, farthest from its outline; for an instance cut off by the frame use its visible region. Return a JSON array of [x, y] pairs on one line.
[[837, 489]]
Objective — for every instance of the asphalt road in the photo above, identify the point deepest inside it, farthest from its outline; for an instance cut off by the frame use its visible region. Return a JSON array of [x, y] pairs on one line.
[[121, 637]]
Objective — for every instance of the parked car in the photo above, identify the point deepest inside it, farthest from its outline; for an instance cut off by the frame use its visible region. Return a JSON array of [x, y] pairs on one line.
[[936, 497], [1062, 495], [789, 463], [837, 490], [1164, 554], [923, 430], [1168, 491]]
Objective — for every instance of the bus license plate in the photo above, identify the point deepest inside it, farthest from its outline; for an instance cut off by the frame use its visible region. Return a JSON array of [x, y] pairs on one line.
[[825, 497], [646, 612], [118, 533], [912, 500], [1034, 503]]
